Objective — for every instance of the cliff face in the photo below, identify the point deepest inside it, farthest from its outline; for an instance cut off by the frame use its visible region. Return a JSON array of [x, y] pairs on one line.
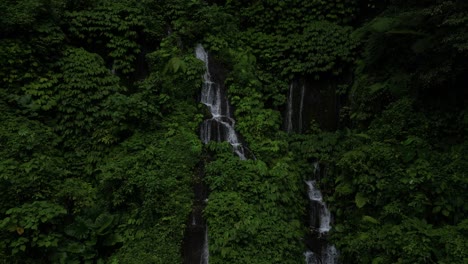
[[312, 101]]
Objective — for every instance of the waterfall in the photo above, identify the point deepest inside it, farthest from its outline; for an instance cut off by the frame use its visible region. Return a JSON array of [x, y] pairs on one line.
[[301, 107], [205, 257], [328, 253], [194, 220], [324, 214], [297, 114], [310, 257], [290, 110], [295, 108], [220, 127]]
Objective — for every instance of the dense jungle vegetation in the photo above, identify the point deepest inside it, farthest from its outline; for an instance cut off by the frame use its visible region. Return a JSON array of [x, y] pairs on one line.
[[99, 143]]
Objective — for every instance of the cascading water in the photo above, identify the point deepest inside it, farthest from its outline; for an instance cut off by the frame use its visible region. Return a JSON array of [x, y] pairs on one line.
[[321, 252], [301, 107], [220, 127], [310, 257], [290, 110], [329, 255], [324, 214], [295, 108], [320, 221], [205, 257]]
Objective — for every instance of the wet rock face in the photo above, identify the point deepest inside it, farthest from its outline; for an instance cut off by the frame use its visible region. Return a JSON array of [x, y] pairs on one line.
[[194, 239], [311, 100], [321, 103]]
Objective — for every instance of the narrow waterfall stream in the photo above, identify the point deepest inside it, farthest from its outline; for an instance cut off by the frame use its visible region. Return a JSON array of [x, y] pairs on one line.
[[319, 211], [205, 254], [295, 109], [290, 109], [322, 252], [315, 196], [301, 107], [219, 127]]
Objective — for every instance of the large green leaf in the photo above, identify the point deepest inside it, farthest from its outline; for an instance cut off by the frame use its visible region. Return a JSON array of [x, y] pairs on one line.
[[360, 200]]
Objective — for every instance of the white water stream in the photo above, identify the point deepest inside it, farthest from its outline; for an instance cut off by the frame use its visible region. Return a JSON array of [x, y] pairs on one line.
[[324, 214], [328, 254], [295, 108], [220, 127]]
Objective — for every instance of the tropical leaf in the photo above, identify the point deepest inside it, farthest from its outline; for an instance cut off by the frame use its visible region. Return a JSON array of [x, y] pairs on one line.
[[360, 200]]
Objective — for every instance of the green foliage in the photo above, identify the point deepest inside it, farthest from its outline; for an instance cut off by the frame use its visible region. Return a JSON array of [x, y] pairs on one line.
[[253, 213], [149, 176], [429, 42], [77, 193], [111, 29], [21, 15], [179, 73], [30, 166], [99, 145], [83, 99], [291, 15], [319, 47], [26, 220], [64, 108], [25, 58], [404, 183]]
